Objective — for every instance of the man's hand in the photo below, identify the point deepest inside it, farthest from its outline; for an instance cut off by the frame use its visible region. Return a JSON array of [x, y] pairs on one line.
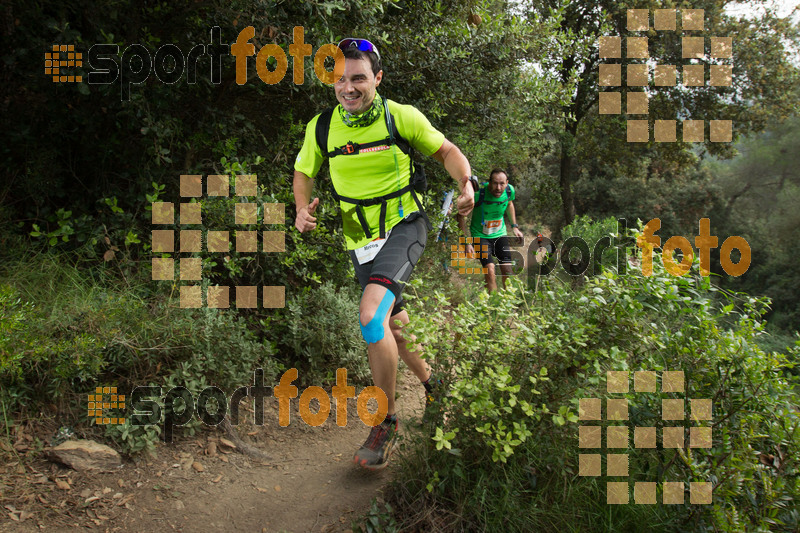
[[470, 251], [305, 220], [466, 200], [518, 233]]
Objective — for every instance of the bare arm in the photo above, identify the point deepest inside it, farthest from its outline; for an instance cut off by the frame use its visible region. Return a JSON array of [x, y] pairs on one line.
[[458, 167], [512, 216], [462, 224], [302, 186]]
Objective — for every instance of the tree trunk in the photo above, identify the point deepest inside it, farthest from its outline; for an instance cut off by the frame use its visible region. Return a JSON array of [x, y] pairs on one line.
[[565, 184]]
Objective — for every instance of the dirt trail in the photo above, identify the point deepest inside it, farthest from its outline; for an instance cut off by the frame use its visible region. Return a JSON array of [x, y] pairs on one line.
[[311, 485]]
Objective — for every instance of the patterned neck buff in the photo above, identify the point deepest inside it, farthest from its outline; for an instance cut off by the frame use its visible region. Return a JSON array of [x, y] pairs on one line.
[[367, 117]]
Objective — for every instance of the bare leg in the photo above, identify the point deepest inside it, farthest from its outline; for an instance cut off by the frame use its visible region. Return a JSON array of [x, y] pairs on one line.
[[490, 278], [411, 358], [505, 271], [383, 353]]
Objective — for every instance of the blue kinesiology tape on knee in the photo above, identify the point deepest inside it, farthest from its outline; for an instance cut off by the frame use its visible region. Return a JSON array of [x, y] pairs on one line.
[[373, 331]]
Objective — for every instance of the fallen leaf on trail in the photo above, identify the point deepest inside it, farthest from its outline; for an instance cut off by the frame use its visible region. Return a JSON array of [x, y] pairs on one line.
[[108, 256], [61, 484], [217, 479], [198, 467], [226, 442], [125, 501], [211, 449], [259, 489], [277, 488]]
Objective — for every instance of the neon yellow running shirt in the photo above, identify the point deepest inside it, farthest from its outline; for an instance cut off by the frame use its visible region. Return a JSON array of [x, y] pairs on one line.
[[371, 172]]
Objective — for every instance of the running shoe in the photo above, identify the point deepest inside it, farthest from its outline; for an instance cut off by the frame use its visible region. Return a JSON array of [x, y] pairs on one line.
[[374, 453]]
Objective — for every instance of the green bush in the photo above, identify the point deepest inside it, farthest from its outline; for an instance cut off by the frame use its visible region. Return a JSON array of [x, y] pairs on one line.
[[517, 363], [85, 332], [592, 232], [319, 330]]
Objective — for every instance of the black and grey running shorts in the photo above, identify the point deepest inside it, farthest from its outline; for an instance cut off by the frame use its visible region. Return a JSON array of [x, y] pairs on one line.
[[394, 263], [499, 248]]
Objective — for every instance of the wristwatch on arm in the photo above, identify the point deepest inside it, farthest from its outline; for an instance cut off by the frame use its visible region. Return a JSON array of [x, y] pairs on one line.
[[474, 180]]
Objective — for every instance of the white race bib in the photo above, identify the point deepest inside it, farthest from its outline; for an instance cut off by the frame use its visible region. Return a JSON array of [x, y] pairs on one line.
[[490, 227], [367, 253]]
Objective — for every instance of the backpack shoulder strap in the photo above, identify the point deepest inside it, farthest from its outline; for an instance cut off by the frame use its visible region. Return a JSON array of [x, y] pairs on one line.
[[481, 196], [394, 133], [322, 129]]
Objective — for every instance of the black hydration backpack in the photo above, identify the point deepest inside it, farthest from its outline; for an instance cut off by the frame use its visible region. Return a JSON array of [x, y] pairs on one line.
[[418, 183], [482, 195]]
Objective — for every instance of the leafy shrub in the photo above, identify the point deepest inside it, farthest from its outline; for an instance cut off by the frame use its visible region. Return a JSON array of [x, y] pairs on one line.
[[85, 332], [592, 232], [220, 350], [320, 330], [517, 363]]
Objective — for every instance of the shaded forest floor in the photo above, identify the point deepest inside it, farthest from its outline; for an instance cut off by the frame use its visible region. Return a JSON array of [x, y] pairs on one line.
[[199, 484], [310, 485]]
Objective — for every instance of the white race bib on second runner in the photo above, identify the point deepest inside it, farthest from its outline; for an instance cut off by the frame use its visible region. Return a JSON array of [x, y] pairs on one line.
[[491, 227]]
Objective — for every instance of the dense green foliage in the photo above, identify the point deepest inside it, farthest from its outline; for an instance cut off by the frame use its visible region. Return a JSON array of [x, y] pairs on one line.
[[762, 191], [591, 147], [513, 84], [516, 365]]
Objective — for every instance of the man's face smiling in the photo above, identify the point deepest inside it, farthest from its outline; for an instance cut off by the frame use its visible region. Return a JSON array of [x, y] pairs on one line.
[[356, 89], [498, 184]]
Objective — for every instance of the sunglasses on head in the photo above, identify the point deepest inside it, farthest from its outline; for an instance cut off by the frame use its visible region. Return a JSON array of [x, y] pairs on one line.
[[359, 44]]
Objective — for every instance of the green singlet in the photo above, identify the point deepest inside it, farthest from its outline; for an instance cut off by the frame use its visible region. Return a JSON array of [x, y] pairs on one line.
[[488, 219]]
